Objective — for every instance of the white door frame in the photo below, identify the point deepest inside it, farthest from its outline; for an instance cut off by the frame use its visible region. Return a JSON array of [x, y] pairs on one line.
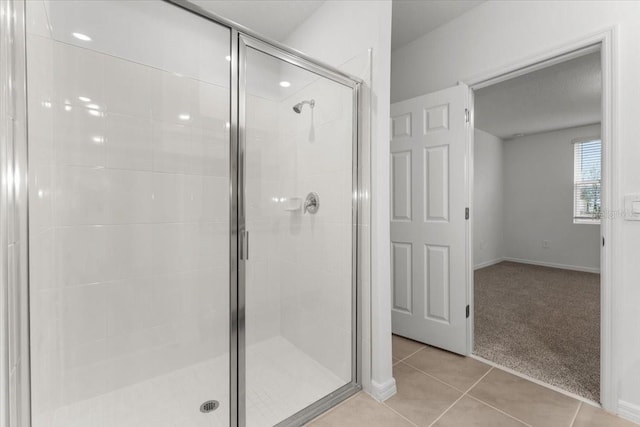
[[606, 41]]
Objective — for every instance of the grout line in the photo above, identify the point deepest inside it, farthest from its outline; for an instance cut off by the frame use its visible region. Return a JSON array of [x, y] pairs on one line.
[[480, 379], [438, 379], [405, 358], [447, 410], [499, 410], [573, 420], [110, 55], [399, 414], [460, 398]]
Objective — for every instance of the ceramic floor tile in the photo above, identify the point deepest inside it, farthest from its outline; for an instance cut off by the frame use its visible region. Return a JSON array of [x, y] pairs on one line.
[[420, 398], [360, 411], [470, 412], [403, 347], [458, 371], [590, 416], [527, 401]]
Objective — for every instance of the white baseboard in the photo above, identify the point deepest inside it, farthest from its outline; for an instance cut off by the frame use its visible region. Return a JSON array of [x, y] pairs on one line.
[[382, 392], [488, 263], [554, 265], [629, 411]]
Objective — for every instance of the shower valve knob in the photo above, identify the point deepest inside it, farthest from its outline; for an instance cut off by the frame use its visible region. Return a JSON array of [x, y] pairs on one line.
[[312, 203]]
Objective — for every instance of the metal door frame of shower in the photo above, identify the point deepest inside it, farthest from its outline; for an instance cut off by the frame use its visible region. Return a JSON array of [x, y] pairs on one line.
[[241, 39], [245, 42]]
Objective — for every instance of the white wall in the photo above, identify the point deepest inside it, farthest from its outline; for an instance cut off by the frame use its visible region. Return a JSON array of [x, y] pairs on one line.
[[497, 34], [516, 207], [539, 206], [488, 199], [340, 34]]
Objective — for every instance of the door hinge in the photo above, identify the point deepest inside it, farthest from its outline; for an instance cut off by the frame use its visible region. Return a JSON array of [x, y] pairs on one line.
[[467, 311], [603, 241], [467, 115], [466, 213]]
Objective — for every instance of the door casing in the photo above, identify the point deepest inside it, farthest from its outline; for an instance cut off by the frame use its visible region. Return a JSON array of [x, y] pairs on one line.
[[605, 41]]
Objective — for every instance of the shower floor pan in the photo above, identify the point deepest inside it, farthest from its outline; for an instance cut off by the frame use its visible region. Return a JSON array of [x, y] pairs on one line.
[[282, 380]]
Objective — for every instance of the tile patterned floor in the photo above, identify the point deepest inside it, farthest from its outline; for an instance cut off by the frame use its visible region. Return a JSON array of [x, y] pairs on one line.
[[440, 389]]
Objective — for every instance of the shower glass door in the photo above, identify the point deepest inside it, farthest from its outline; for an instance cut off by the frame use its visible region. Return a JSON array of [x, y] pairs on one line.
[[297, 212], [129, 214]]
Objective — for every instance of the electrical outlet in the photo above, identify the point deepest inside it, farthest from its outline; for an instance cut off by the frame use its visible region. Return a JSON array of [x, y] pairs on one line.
[[545, 244]]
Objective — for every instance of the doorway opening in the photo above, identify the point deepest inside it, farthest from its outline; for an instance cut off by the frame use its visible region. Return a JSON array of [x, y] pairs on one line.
[[537, 239]]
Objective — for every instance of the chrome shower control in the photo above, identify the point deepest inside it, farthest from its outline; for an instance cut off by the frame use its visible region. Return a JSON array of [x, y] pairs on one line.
[[312, 203]]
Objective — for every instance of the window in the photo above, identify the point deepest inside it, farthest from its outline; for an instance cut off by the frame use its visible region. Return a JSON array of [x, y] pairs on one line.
[[587, 155]]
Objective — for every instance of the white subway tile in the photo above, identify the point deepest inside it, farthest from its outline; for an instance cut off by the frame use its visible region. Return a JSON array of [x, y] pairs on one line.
[[128, 142], [128, 251], [42, 267], [78, 73], [215, 150], [129, 87], [175, 150], [173, 99], [80, 253], [215, 199], [210, 106], [84, 314], [41, 194], [78, 136], [81, 195], [128, 196]]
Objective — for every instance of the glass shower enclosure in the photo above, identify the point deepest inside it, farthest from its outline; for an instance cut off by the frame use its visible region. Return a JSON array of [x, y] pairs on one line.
[[193, 206]]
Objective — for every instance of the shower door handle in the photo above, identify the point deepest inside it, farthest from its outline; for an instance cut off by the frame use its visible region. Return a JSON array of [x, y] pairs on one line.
[[244, 245]]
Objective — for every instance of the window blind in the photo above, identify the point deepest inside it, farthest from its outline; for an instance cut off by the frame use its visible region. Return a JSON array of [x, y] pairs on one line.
[[587, 181]]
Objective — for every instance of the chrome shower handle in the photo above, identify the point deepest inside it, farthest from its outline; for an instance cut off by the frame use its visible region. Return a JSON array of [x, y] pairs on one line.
[[244, 245], [312, 203]]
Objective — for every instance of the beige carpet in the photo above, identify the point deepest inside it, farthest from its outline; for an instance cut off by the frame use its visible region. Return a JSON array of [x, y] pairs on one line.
[[542, 322]]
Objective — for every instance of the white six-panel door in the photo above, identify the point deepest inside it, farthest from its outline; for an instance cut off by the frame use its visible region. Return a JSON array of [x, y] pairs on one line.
[[429, 187]]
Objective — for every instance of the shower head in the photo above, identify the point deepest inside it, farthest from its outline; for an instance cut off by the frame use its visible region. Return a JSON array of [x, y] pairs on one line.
[[298, 107]]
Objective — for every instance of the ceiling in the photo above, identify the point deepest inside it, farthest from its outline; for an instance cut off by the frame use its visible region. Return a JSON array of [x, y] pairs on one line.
[[560, 96], [275, 19], [415, 18]]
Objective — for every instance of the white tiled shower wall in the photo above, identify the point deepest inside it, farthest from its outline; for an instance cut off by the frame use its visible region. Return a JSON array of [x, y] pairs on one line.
[[263, 157], [129, 219], [299, 271], [316, 261]]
